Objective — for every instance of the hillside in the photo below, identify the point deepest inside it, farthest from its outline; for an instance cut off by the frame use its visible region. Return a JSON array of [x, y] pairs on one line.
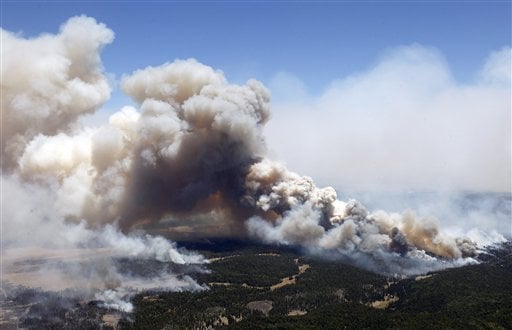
[[257, 286], [312, 293]]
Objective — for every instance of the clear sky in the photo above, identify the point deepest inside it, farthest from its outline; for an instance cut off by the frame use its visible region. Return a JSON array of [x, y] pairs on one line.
[[343, 53]]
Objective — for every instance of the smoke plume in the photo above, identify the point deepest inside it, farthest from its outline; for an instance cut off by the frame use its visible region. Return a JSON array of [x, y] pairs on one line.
[[303, 214], [62, 184], [405, 121], [192, 147]]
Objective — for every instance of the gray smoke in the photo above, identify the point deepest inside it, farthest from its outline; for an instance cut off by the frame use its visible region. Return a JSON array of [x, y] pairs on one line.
[[192, 148], [298, 213], [58, 179]]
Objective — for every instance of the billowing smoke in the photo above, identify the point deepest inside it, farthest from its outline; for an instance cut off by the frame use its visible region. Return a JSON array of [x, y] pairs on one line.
[[313, 217], [49, 81], [194, 147], [62, 185], [185, 151], [406, 122]]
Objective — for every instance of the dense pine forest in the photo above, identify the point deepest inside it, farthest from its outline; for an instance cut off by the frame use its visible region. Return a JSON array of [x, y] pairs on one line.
[[258, 286]]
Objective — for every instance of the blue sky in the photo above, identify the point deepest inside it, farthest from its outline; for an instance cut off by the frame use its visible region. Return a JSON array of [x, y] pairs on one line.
[[315, 41]]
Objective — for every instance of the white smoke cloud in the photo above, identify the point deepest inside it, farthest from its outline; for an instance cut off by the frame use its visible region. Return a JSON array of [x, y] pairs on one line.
[[65, 254], [119, 297], [296, 212], [194, 148], [497, 68], [62, 184], [49, 81], [403, 124]]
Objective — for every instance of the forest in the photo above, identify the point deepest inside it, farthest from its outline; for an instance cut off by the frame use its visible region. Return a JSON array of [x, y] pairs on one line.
[[255, 286]]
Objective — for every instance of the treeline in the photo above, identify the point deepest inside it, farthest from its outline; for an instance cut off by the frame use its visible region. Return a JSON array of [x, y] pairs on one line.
[[335, 296], [252, 269]]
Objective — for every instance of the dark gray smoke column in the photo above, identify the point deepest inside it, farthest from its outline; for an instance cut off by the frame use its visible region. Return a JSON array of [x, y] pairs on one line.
[[197, 136], [200, 148]]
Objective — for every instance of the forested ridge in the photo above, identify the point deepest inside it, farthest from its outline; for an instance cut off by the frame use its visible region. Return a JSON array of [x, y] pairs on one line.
[[333, 295], [253, 286]]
